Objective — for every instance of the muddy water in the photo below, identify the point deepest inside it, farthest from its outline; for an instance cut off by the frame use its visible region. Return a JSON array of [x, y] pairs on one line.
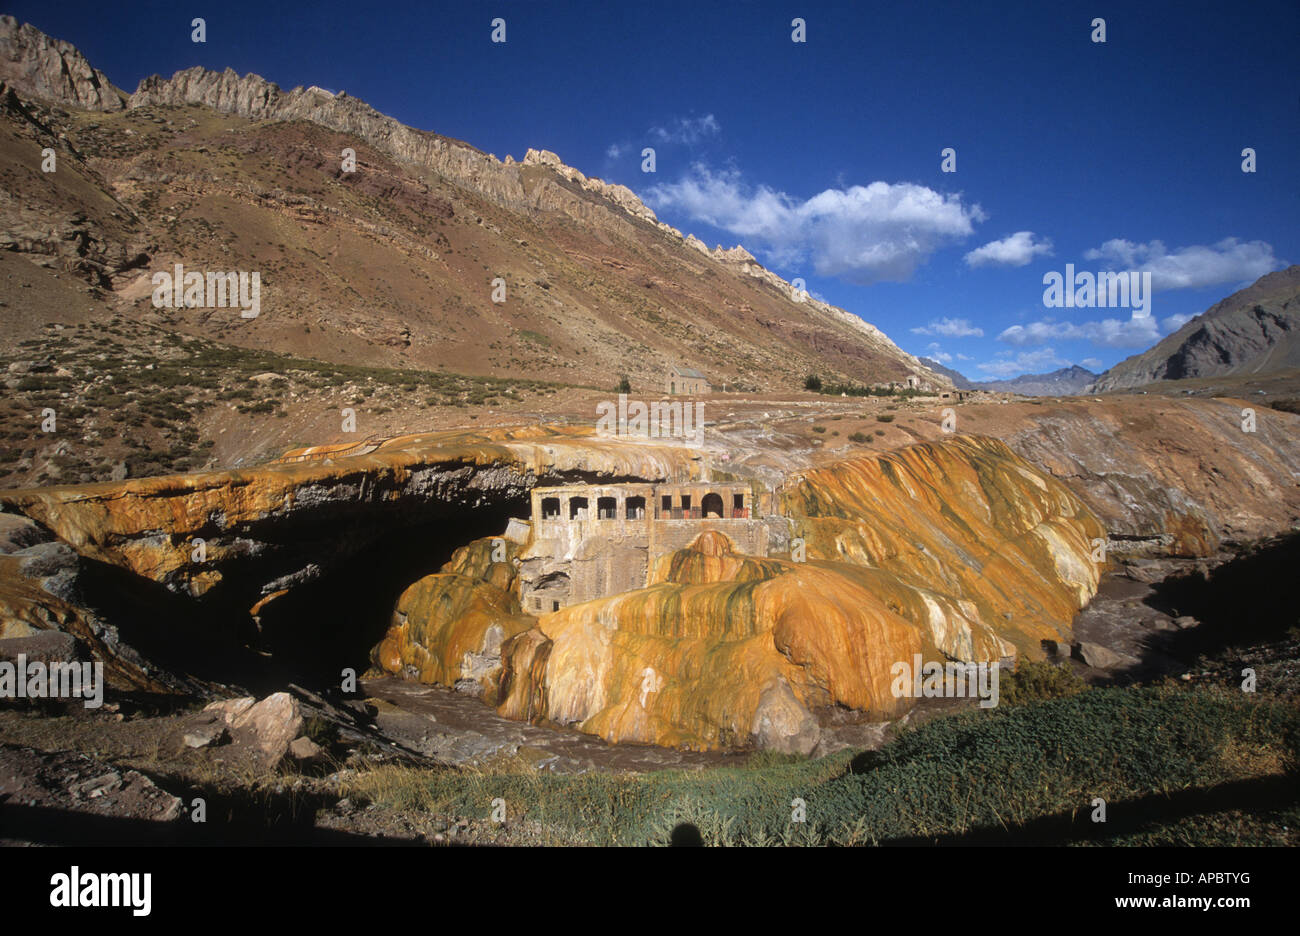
[[455, 728]]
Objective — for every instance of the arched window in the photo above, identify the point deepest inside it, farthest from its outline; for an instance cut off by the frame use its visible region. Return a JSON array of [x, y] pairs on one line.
[[577, 508], [606, 508], [550, 508], [636, 508], [711, 505]]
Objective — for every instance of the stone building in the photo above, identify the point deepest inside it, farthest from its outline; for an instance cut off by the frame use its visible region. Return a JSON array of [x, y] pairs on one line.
[[686, 380], [590, 540]]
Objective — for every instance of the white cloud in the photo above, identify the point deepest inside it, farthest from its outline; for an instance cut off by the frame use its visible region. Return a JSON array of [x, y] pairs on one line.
[[616, 150], [686, 130], [1091, 363], [1112, 333], [933, 352], [1026, 362], [1228, 261], [951, 328], [863, 234], [1016, 250], [1175, 322]]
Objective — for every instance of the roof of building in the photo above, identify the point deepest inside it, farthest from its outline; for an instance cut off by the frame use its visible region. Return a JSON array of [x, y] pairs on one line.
[[688, 372]]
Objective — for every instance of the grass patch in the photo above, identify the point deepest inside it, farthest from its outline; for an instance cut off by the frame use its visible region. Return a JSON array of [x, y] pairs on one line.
[[979, 773]]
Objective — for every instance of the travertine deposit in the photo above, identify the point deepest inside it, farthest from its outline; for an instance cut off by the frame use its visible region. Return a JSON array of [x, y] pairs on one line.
[[955, 551]]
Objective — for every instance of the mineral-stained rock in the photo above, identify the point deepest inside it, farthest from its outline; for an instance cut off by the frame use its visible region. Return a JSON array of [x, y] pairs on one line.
[[450, 626], [919, 551], [238, 513]]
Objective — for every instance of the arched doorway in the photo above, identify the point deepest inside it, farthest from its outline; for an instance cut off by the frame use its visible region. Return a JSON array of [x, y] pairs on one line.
[[711, 505]]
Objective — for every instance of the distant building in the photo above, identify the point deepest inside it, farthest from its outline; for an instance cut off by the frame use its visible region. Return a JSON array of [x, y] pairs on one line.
[[687, 380], [594, 540]]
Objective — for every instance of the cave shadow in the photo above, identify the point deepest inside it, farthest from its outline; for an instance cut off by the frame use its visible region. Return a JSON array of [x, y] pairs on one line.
[[332, 622], [1247, 600], [367, 556], [170, 630]]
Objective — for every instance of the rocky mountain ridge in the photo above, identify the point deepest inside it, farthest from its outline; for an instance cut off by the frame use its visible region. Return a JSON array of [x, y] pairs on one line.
[[1066, 381], [52, 69], [1256, 330], [538, 187]]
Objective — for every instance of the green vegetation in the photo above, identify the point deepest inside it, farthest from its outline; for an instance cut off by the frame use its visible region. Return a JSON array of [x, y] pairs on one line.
[[857, 390], [812, 382], [1037, 681], [884, 417], [127, 374], [1021, 772]]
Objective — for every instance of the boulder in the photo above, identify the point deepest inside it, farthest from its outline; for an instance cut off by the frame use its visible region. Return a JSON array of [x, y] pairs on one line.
[[267, 728], [1100, 657], [305, 749], [207, 734], [229, 709], [1060, 649]]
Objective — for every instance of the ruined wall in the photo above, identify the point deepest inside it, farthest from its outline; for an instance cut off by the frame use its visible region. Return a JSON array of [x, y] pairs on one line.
[[600, 555]]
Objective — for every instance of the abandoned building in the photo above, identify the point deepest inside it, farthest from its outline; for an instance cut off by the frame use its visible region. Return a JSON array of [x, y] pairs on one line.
[[590, 541], [687, 380]]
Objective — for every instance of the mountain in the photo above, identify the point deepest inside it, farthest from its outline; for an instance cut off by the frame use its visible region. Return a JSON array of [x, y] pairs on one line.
[[1068, 381], [1254, 331], [959, 380], [399, 263]]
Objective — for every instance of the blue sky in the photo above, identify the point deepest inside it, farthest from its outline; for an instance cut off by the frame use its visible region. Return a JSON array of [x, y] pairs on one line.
[[824, 158]]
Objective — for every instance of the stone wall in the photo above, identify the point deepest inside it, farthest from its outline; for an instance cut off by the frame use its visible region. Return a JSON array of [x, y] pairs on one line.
[[579, 553]]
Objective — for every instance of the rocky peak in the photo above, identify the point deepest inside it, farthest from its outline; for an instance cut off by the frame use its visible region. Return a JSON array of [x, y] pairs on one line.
[[51, 70]]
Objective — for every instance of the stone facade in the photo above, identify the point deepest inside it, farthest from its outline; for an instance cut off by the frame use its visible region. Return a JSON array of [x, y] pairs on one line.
[[590, 541], [686, 380]]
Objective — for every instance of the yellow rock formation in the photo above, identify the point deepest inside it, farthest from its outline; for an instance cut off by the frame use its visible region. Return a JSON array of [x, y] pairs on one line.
[[450, 626], [956, 550], [148, 525]]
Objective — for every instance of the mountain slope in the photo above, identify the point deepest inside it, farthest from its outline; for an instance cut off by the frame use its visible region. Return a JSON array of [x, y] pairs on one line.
[[1067, 381], [1254, 331], [393, 264], [959, 380]]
